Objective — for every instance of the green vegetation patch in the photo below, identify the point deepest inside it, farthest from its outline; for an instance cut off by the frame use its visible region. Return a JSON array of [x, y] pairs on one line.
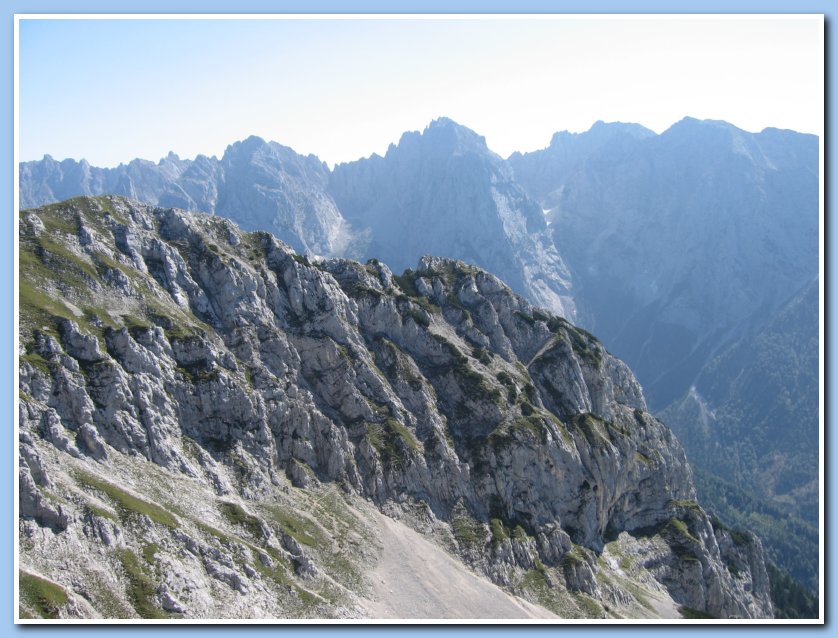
[[574, 556], [39, 309], [253, 245], [590, 607], [592, 428], [104, 599], [99, 511], [739, 537], [459, 359], [499, 532], [535, 580], [279, 571], [58, 260], [407, 283], [483, 355], [505, 378], [150, 552], [300, 259], [468, 531], [680, 528], [302, 529], [128, 503], [199, 372], [536, 584], [519, 534], [532, 427], [392, 440], [236, 515], [37, 362], [694, 614], [418, 318], [686, 504], [642, 458], [141, 587], [584, 344], [681, 540], [58, 217], [42, 596], [209, 530]]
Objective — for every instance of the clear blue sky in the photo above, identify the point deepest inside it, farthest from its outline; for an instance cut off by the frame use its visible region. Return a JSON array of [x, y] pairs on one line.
[[112, 90]]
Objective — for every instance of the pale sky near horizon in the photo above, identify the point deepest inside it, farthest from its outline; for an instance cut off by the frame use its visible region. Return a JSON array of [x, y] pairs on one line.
[[112, 90]]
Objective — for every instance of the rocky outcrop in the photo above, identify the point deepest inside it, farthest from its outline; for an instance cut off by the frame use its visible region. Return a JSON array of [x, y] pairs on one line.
[[167, 354], [543, 173], [443, 192], [260, 185], [267, 186]]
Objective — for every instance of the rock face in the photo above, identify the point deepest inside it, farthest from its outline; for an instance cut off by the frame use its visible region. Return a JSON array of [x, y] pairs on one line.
[[192, 396], [267, 186], [711, 238], [542, 174], [444, 192], [708, 230], [441, 192], [260, 185]]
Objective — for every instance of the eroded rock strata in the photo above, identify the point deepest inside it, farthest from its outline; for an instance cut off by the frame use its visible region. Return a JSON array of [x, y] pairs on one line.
[[209, 421]]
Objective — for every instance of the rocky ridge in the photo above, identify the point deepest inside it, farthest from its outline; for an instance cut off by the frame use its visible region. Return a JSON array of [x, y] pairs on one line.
[[204, 416], [439, 192], [444, 192]]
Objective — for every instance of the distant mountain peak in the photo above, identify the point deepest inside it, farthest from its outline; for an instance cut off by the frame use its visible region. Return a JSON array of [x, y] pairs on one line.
[[602, 130], [446, 130], [247, 145], [695, 124]]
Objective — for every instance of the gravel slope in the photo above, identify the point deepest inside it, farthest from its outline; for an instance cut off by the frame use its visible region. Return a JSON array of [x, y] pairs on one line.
[[417, 579]]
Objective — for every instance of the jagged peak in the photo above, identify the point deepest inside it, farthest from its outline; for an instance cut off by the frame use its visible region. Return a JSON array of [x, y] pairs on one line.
[[443, 135], [257, 146], [451, 130], [602, 129], [690, 124], [248, 144]]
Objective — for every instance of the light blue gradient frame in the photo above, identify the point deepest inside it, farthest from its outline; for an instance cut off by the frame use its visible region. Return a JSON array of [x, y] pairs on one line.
[[7, 375]]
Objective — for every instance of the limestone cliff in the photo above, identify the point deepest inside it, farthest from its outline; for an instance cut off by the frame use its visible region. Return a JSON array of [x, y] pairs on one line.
[[205, 416]]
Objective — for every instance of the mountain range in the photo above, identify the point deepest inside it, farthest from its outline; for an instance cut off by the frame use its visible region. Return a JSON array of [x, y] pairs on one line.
[[694, 257], [390, 208], [684, 252]]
